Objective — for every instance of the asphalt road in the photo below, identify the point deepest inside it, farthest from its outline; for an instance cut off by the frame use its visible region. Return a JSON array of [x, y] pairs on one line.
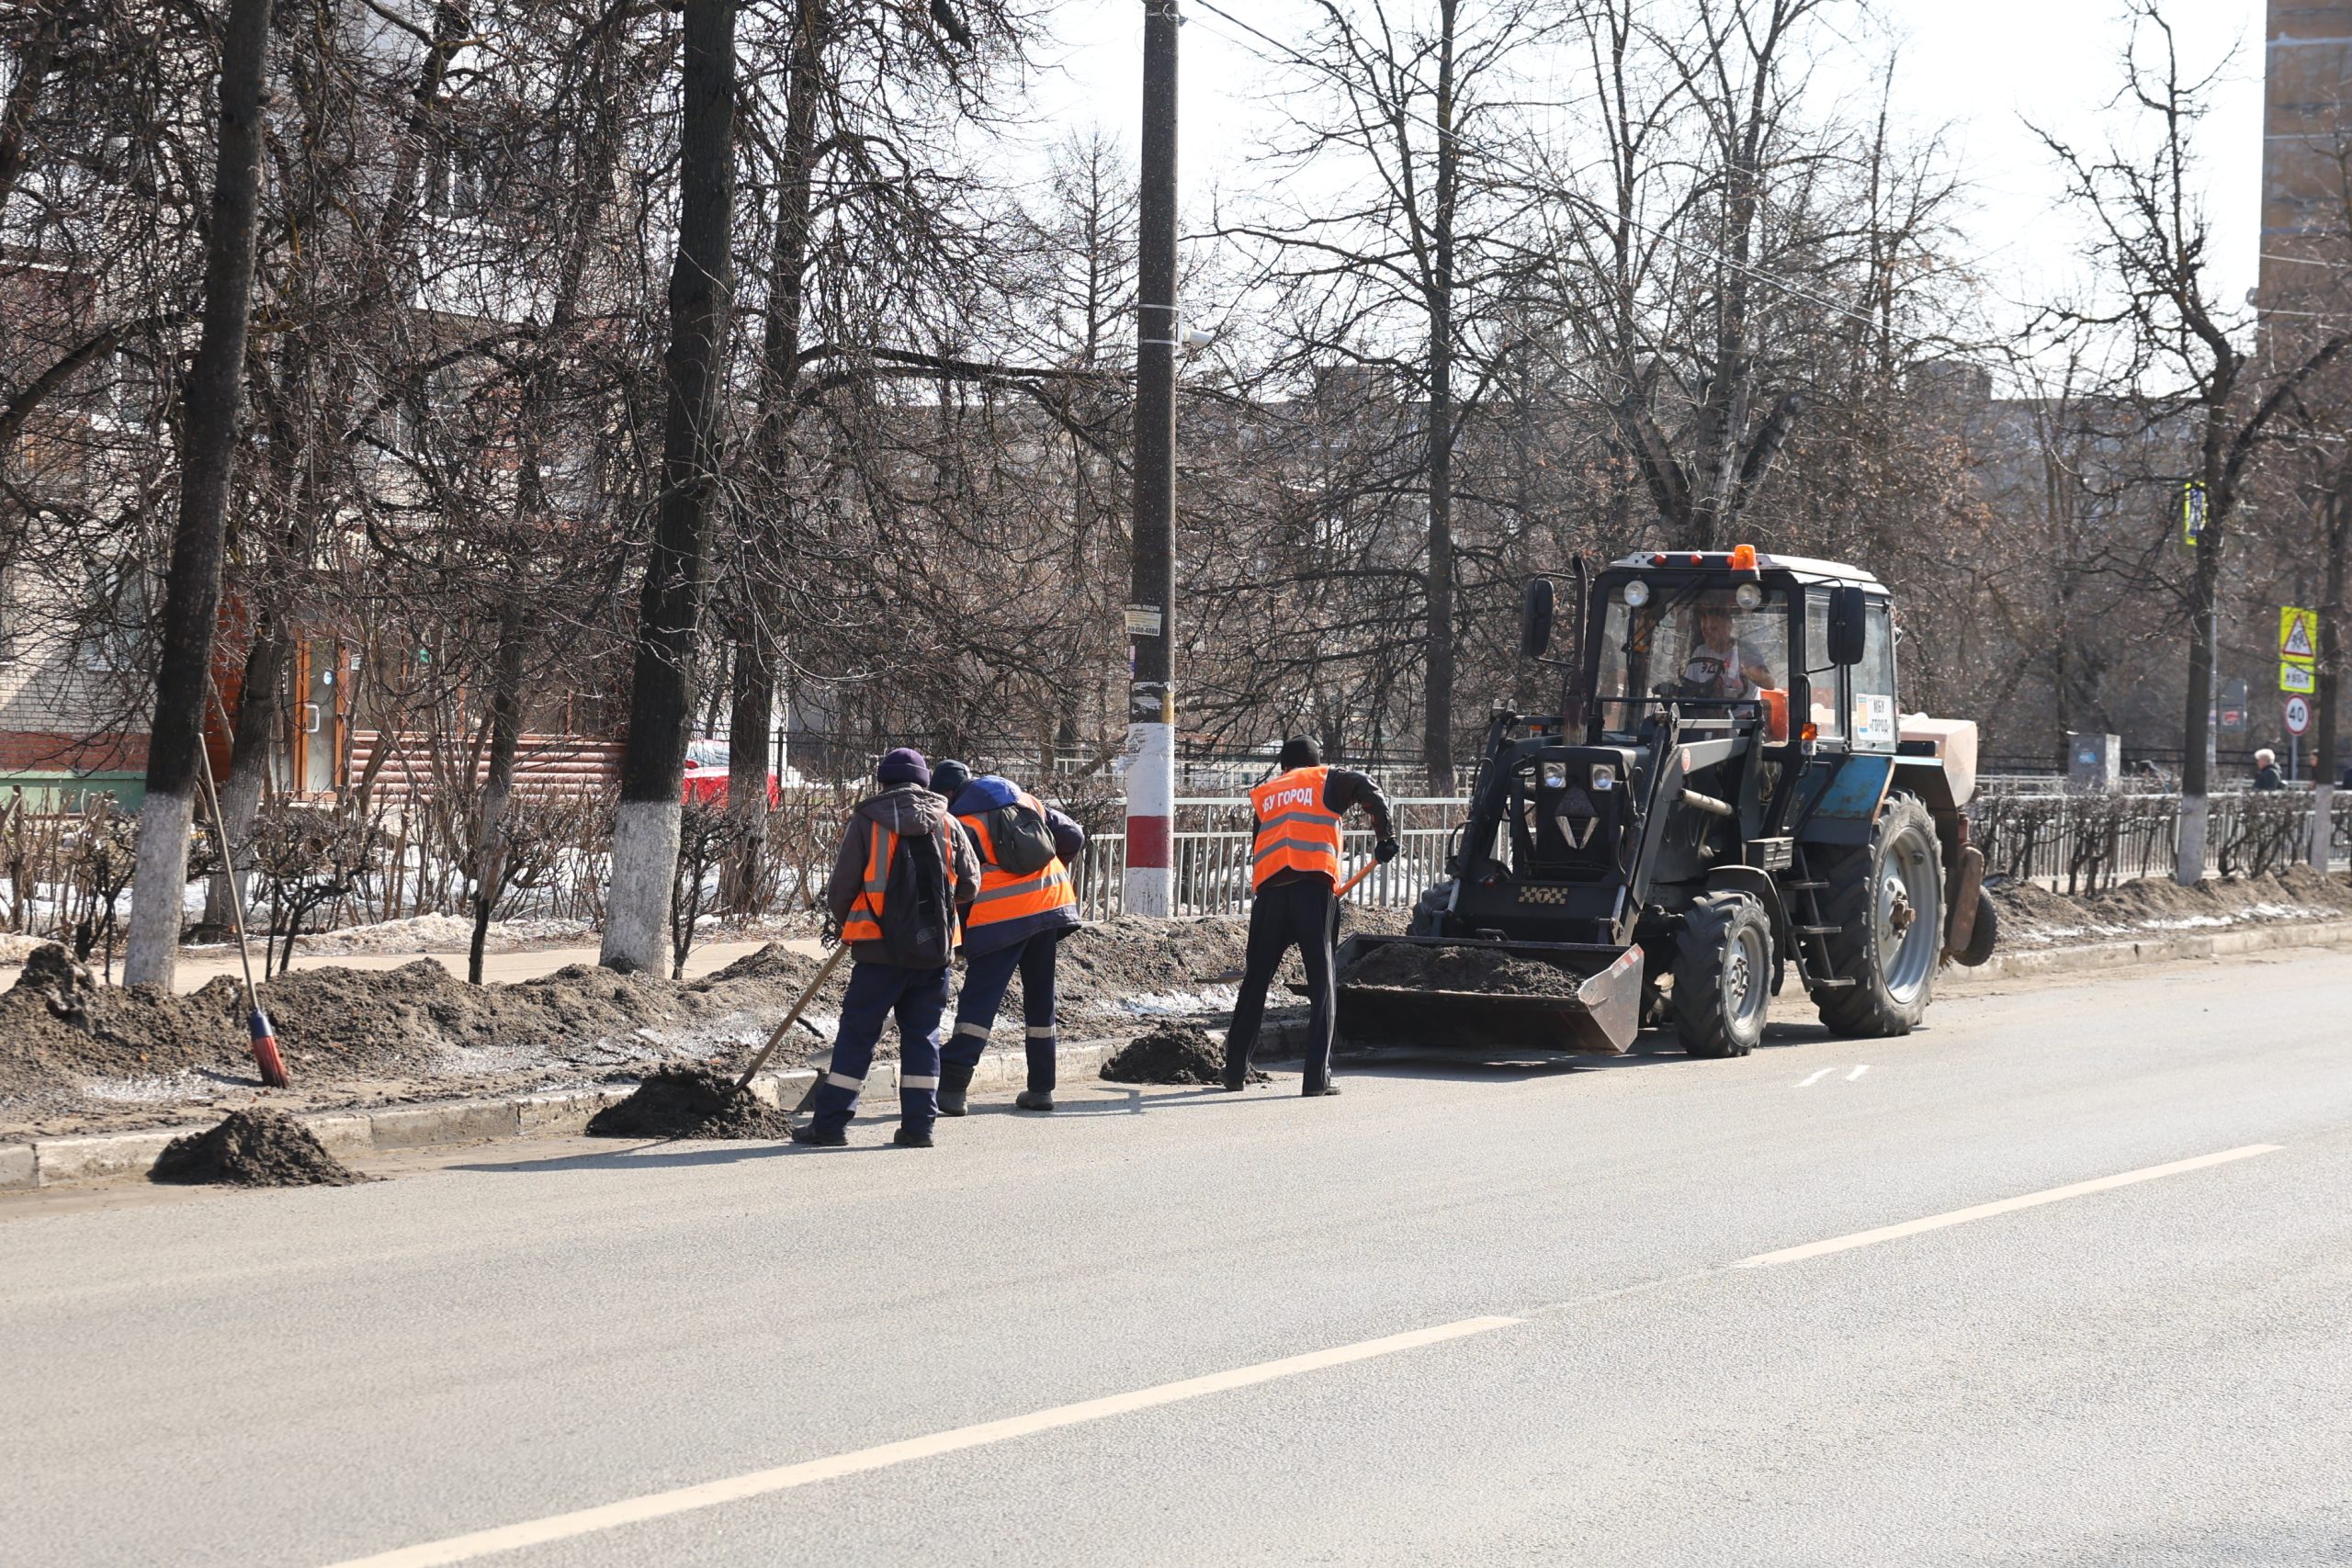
[[748, 1354]]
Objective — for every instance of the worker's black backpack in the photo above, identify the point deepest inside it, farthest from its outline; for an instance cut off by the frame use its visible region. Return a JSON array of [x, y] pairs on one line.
[[1020, 837], [918, 917]]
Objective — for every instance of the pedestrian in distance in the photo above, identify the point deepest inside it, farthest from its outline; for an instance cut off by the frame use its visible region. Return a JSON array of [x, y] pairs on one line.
[[1024, 908], [1294, 882], [904, 868], [2266, 770]]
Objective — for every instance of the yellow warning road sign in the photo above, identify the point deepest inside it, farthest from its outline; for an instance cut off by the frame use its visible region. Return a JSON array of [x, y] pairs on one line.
[[2297, 678], [2298, 633]]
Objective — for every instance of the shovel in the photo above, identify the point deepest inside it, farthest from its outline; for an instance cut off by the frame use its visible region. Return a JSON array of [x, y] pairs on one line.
[[775, 1036]]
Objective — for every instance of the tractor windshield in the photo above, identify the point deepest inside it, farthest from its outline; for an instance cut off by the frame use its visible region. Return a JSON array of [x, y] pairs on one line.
[[1691, 642]]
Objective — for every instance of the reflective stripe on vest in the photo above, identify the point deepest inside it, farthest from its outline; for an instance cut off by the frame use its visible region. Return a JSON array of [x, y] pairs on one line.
[[1295, 832], [1004, 897], [863, 922]]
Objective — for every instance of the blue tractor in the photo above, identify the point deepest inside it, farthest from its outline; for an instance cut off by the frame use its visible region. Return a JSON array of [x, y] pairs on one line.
[[1728, 799]]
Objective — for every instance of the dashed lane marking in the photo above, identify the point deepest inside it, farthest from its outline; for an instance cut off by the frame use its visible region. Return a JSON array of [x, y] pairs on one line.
[[2005, 1206], [760, 1482], [1857, 1072], [1816, 1077]]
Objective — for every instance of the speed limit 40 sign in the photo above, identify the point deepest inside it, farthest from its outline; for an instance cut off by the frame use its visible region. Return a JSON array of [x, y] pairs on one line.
[[2299, 715]]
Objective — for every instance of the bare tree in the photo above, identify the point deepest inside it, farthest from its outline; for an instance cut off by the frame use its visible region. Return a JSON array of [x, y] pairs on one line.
[[192, 594]]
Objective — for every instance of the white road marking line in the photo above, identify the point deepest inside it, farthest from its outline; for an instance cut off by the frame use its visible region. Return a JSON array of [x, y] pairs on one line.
[[1857, 1072], [760, 1482], [2006, 1205], [1816, 1077]]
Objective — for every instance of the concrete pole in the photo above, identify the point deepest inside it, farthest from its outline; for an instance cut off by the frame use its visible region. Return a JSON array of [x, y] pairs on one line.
[[1150, 769]]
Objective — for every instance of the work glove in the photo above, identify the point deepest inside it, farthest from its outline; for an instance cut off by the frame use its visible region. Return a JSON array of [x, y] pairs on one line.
[[829, 935], [1384, 851]]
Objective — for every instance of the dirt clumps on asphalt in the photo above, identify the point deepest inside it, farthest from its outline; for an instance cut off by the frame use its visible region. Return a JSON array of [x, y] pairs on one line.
[[690, 1101], [1172, 1053], [252, 1148], [1409, 967]]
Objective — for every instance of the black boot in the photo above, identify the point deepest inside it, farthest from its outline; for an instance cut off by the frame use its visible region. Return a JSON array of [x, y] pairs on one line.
[[823, 1138], [1036, 1100], [954, 1090], [911, 1138]]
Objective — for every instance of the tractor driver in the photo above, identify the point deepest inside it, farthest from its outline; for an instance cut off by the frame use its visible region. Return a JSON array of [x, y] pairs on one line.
[[1721, 664]]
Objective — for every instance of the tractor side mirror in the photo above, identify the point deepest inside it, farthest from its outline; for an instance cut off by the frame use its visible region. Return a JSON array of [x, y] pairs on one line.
[[1847, 626], [1535, 619]]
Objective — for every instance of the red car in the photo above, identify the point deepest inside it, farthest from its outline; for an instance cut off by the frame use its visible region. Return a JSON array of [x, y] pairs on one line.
[[706, 765]]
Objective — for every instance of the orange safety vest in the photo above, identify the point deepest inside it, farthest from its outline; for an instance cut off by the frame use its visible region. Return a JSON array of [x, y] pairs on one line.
[[1295, 830], [863, 922], [1004, 897]]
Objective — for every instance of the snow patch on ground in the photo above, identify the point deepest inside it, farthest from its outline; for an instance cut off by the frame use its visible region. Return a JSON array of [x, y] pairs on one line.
[[1165, 1004]]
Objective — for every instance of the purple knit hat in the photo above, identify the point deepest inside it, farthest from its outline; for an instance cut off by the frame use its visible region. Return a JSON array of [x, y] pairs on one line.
[[904, 765]]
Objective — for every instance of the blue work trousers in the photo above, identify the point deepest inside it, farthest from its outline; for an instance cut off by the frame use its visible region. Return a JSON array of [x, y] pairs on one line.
[[985, 978], [876, 991]]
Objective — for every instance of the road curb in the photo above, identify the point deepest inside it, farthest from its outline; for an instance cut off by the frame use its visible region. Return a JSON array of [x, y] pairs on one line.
[[85, 1158]]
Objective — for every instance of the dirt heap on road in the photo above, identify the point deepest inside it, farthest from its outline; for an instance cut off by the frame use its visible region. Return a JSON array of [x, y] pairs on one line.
[[1172, 1053], [690, 1101], [1411, 967], [252, 1148]]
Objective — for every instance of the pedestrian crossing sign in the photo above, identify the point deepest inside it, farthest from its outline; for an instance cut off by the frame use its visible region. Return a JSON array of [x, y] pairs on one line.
[[2298, 634]]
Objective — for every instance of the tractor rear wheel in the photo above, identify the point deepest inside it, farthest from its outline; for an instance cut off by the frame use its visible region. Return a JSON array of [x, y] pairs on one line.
[[1723, 975], [1885, 901], [1429, 909]]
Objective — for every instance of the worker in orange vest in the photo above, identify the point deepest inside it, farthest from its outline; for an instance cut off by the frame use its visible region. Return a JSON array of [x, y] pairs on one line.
[[1295, 875], [904, 868], [1025, 906]]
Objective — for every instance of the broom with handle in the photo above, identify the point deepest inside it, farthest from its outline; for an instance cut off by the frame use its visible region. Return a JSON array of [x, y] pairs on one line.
[[265, 1037]]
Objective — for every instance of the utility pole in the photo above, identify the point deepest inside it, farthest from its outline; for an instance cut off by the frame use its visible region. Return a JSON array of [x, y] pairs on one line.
[[1151, 596]]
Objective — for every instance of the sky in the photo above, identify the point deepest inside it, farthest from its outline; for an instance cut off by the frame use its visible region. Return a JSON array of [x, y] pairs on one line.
[[1970, 69]]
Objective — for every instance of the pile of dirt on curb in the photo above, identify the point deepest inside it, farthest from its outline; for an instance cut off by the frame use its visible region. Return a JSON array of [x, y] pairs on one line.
[[252, 1148], [1409, 967], [690, 1101], [1172, 1053], [2157, 906]]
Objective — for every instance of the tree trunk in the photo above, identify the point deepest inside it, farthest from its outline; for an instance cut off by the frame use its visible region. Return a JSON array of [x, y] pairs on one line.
[[2331, 663], [661, 701], [2196, 782], [257, 719], [1437, 724], [751, 718], [211, 400], [498, 781]]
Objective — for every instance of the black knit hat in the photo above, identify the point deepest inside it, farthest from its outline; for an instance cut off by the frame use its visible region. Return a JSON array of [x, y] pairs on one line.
[[1298, 751]]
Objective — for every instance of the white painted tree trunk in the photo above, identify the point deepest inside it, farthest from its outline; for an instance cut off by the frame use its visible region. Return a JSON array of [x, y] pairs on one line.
[[2196, 818], [637, 900], [2323, 823], [158, 886]]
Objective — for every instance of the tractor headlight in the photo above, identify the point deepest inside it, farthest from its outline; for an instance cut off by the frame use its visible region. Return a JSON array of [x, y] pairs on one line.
[[1747, 595], [1603, 776], [1637, 593], [1555, 776]]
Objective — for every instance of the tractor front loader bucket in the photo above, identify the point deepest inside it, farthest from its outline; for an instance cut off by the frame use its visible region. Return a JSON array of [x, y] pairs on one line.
[[1599, 1017]]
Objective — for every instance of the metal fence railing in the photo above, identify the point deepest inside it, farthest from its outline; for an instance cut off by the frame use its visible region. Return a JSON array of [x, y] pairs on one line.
[[2078, 842]]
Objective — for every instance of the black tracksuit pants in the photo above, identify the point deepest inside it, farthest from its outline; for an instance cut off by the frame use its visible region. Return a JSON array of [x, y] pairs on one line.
[[1286, 914]]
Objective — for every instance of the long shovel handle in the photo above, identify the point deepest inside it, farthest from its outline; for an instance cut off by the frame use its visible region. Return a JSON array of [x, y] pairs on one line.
[[775, 1036], [1362, 871]]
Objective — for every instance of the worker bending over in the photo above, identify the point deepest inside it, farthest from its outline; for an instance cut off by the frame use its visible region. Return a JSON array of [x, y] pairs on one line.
[[1294, 874], [903, 868], [1025, 909]]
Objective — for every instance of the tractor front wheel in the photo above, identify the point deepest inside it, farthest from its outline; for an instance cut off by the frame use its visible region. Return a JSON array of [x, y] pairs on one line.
[[1723, 975], [1885, 902]]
